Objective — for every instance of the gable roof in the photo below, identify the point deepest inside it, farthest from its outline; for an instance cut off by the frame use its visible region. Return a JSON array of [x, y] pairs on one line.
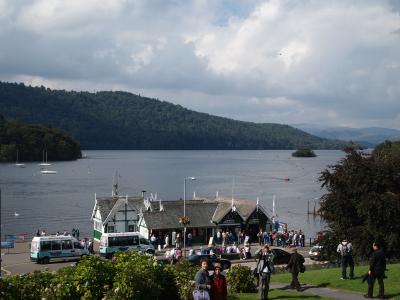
[[244, 207], [106, 205], [198, 211]]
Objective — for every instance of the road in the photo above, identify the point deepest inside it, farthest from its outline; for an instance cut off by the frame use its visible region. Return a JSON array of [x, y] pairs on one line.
[[17, 260]]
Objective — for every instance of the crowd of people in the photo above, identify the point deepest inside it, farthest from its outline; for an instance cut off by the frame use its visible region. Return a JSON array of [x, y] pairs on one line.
[[285, 238]]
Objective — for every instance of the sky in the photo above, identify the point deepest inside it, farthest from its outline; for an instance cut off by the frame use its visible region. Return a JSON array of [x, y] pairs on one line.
[[327, 63]]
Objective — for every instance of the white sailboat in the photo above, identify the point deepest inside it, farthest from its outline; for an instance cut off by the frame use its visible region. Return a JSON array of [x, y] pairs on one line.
[[44, 161], [48, 171], [17, 164]]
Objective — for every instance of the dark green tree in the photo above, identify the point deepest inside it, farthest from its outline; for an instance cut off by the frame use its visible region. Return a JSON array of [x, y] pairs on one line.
[[362, 202]]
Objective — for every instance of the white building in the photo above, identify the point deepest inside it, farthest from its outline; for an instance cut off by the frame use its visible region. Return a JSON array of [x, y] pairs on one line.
[[116, 214]]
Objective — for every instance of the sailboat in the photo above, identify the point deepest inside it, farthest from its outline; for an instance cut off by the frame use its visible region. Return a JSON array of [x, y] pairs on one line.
[[17, 164], [44, 163], [45, 171]]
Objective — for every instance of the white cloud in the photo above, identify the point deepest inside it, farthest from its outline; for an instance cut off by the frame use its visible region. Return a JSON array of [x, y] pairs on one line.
[[264, 61]]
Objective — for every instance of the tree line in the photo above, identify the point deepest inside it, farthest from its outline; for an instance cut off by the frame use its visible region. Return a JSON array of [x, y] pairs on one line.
[[121, 120], [31, 140]]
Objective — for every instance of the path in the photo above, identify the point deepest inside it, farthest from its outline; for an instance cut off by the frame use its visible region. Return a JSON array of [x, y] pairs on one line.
[[322, 291]]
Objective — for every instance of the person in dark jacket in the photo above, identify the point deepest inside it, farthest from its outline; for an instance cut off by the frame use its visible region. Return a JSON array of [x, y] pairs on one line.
[[202, 277], [219, 289], [377, 267], [264, 269], [295, 266]]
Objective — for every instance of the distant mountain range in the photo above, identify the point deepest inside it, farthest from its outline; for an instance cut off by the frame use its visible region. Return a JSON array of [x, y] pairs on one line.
[[368, 137], [121, 120]]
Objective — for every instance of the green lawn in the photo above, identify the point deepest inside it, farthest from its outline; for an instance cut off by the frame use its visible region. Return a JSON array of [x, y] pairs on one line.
[[276, 294], [331, 278]]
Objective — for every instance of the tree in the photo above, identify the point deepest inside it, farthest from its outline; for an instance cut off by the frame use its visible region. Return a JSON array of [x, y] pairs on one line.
[[362, 202]]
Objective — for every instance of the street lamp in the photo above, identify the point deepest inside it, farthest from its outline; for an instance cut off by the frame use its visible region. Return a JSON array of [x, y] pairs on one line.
[[184, 212]]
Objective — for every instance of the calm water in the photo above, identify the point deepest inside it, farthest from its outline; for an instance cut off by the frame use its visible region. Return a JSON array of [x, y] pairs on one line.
[[65, 200]]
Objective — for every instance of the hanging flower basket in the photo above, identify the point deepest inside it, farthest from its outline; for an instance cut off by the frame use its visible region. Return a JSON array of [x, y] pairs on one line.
[[184, 220]]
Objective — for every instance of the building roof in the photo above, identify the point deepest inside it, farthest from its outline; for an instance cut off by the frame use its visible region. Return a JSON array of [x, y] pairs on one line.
[[202, 212], [198, 211], [244, 207], [106, 204]]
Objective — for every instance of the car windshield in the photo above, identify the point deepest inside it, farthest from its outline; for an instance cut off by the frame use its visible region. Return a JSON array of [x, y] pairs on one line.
[[315, 249]]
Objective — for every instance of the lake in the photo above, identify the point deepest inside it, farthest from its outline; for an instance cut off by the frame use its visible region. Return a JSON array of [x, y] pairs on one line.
[[32, 201]]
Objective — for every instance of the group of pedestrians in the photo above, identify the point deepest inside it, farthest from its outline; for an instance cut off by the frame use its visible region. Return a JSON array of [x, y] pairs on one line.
[[281, 238], [377, 267], [210, 287], [265, 267]]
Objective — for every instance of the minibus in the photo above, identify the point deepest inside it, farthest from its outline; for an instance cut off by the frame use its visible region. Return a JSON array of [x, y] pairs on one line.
[[111, 243], [56, 248]]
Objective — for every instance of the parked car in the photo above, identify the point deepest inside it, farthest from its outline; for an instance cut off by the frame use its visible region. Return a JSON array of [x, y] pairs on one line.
[[212, 259], [317, 253], [281, 257]]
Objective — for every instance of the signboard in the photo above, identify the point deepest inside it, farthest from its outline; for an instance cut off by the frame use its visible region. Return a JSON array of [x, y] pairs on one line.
[[280, 226]]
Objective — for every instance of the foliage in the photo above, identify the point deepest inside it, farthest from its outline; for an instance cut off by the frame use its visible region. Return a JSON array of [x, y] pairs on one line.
[[30, 286], [304, 152], [31, 140], [136, 277], [241, 279], [183, 273], [120, 120], [362, 202]]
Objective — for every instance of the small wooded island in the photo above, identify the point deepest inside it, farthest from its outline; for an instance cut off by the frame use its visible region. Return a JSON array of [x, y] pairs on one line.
[[31, 141], [305, 152]]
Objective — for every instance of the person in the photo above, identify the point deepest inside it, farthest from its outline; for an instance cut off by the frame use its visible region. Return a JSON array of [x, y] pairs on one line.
[[218, 289], [377, 266], [260, 235], [166, 241], [202, 278], [345, 249], [153, 240], [295, 266], [189, 239], [38, 233], [264, 269]]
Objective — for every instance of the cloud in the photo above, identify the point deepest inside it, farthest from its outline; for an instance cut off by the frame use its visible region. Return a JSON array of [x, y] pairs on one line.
[[283, 61]]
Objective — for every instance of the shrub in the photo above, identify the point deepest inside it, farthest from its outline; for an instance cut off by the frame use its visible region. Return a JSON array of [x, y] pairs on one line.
[[184, 273], [241, 280], [136, 277], [30, 286]]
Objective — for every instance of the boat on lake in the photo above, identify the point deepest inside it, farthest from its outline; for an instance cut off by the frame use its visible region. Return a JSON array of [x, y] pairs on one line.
[[44, 160]]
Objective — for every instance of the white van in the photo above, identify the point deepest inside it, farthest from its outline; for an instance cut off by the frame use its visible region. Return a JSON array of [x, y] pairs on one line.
[[111, 243], [61, 247]]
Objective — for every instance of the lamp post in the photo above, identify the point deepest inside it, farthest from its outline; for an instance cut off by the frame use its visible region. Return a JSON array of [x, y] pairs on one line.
[[184, 212]]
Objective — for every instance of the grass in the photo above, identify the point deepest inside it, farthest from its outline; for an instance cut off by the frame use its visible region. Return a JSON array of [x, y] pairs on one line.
[[277, 294], [331, 278]]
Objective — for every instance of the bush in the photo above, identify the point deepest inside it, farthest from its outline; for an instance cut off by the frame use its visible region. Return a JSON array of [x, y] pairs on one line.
[[136, 277], [241, 280], [183, 273], [30, 286]]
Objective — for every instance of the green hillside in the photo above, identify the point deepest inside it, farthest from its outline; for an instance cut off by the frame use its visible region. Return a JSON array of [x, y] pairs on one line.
[[31, 140], [120, 120]]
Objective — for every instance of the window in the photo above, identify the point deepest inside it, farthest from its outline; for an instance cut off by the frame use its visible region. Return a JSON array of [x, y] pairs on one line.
[[97, 225], [123, 241], [110, 228], [144, 241], [78, 245], [131, 228], [67, 245], [45, 246], [55, 245]]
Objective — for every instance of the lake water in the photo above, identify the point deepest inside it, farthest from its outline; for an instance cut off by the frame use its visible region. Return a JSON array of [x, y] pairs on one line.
[[65, 200]]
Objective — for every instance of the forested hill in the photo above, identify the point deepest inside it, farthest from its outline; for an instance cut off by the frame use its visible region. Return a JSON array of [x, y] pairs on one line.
[[32, 140], [120, 120]]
